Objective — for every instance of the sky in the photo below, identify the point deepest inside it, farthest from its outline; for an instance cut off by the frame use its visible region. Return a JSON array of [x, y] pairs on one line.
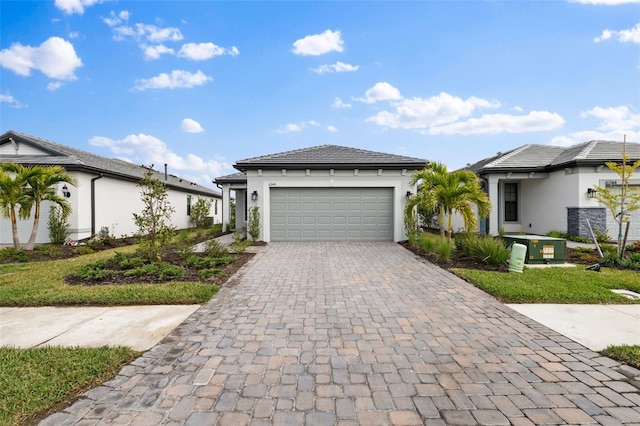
[[200, 85]]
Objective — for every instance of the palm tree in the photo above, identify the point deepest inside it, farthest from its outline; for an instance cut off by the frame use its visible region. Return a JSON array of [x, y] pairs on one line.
[[40, 181], [450, 192], [13, 196]]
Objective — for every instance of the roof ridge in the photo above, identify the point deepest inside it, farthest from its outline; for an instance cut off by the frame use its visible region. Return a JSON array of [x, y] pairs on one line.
[[587, 150], [508, 155]]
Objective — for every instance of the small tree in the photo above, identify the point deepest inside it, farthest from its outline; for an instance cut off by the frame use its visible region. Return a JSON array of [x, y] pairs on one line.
[[14, 202], [200, 213], [622, 203], [253, 223], [57, 225], [153, 222]]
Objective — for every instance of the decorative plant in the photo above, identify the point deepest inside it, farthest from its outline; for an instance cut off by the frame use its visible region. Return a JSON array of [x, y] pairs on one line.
[[200, 213], [57, 225], [253, 223]]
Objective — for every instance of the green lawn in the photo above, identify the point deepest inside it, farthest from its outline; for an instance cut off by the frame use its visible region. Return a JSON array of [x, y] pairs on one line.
[[42, 284], [555, 285], [627, 354], [32, 381]]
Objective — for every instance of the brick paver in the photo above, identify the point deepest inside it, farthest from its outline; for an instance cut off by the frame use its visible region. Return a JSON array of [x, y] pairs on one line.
[[359, 333]]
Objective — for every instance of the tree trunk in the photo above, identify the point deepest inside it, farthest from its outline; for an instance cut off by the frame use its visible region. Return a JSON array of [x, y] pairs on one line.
[[14, 229], [450, 225], [36, 222], [441, 221]]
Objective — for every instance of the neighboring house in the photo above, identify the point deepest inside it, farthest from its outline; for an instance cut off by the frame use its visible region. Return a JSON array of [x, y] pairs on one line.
[[105, 194], [323, 193], [538, 188]]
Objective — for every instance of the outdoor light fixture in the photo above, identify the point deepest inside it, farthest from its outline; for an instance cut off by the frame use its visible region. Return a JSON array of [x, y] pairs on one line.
[[254, 195], [65, 191], [591, 192], [409, 194]]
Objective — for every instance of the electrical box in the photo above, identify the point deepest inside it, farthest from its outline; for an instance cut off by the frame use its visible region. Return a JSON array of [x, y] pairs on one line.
[[540, 249]]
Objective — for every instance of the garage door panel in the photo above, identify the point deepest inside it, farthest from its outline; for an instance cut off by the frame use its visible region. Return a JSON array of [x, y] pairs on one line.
[[330, 214]]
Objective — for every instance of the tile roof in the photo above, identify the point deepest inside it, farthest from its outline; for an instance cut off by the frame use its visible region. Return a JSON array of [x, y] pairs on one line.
[[331, 156], [546, 157], [232, 178], [76, 159]]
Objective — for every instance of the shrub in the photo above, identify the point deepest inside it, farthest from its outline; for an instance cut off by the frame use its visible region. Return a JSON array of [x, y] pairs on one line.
[[556, 234], [214, 248], [200, 213], [49, 250], [444, 250], [240, 246], [11, 254], [589, 258], [583, 250], [611, 260], [183, 244], [204, 274], [95, 271], [635, 247], [602, 237], [484, 248], [253, 223], [427, 242], [126, 261], [161, 270], [57, 225], [82, 250], [632, 262]]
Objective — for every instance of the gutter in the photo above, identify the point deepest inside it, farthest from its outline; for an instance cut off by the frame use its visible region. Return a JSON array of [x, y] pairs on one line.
[[93, 203]]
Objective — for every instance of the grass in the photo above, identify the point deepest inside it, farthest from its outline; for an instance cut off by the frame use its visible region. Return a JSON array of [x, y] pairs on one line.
[[33, 381], [42, 284], [627, 354], [555, 285]]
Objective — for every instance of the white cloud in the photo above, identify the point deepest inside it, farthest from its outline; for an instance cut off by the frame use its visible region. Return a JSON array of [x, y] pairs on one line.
[[319, 44], [74, 34], [535, 121], [55, 58], [297, 127], [154, 52], [614, 118], [147, 149], [337, 67], [332, 129], [13, 102], [631, 35], [517, 108], [178, 79], [418, 113], [75, 6], [204, 51], [114, 19], [381, 91], [191, 126], [148, 32], [337, 103], [53, 86], [589, 135]]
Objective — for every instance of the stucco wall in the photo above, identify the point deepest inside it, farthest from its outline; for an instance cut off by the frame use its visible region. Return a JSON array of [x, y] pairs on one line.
[[262, 180]]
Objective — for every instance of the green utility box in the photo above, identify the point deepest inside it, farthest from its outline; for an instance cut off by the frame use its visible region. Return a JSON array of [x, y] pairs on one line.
[[540, 249]]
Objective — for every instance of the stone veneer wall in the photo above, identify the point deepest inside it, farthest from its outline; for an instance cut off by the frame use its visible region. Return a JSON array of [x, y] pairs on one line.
[[577, 225]]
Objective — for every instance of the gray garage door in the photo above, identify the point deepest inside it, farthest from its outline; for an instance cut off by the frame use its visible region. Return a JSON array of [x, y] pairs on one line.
[[331, 214]]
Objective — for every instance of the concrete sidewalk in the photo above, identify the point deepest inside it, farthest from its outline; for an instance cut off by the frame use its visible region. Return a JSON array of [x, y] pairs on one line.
[[594, 326], [138, 327]]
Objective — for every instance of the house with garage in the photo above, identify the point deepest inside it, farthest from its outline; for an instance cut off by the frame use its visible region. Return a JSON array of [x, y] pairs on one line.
[[323, 193], [105, 193], [538, 188]]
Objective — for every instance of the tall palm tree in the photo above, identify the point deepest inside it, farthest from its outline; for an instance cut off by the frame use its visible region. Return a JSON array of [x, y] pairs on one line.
[[40, 181], [13, 196], [448, 193]]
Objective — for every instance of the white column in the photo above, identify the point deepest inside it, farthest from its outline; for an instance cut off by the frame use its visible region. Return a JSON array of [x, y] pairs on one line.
[[226, 205], [495, 207]]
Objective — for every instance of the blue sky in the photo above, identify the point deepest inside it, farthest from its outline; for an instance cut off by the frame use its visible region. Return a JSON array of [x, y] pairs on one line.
[[202, 84]]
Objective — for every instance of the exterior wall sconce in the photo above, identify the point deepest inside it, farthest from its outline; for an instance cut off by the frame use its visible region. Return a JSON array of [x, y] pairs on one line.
[[409, 195], [591, 193], [65, 191], [254, 196]]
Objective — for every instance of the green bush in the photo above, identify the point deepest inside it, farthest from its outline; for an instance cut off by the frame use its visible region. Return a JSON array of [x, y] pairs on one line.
[[428, 242], [161, 270], [127, 261], [208, 262], [96, 271], [583, 250], [204, 274], [253, 223], [632, 262], [611, 260], [557, 234], [214, 248], [11, 254], [49, 250], [200, 213], [602, 237], [58, 226], [444, 250], [634, 248], [82, 250], [483, 247]]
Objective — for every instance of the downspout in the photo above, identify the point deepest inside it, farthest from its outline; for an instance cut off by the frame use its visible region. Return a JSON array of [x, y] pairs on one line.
[[93, 203], [222, 204]]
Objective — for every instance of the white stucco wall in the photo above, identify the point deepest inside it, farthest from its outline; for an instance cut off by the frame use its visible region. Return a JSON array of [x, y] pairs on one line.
[[115, 202], [262, 180]]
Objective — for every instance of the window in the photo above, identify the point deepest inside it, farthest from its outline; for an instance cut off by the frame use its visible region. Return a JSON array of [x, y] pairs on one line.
[[188, 205], [510, 202], [215, 208]]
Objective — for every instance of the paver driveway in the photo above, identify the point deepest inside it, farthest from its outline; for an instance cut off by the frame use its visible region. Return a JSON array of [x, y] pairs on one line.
[[359, 333]]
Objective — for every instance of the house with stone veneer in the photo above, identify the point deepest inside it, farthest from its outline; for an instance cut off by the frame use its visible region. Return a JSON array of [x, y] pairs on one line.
[[323, 193], [105, 194], [538, 188]]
